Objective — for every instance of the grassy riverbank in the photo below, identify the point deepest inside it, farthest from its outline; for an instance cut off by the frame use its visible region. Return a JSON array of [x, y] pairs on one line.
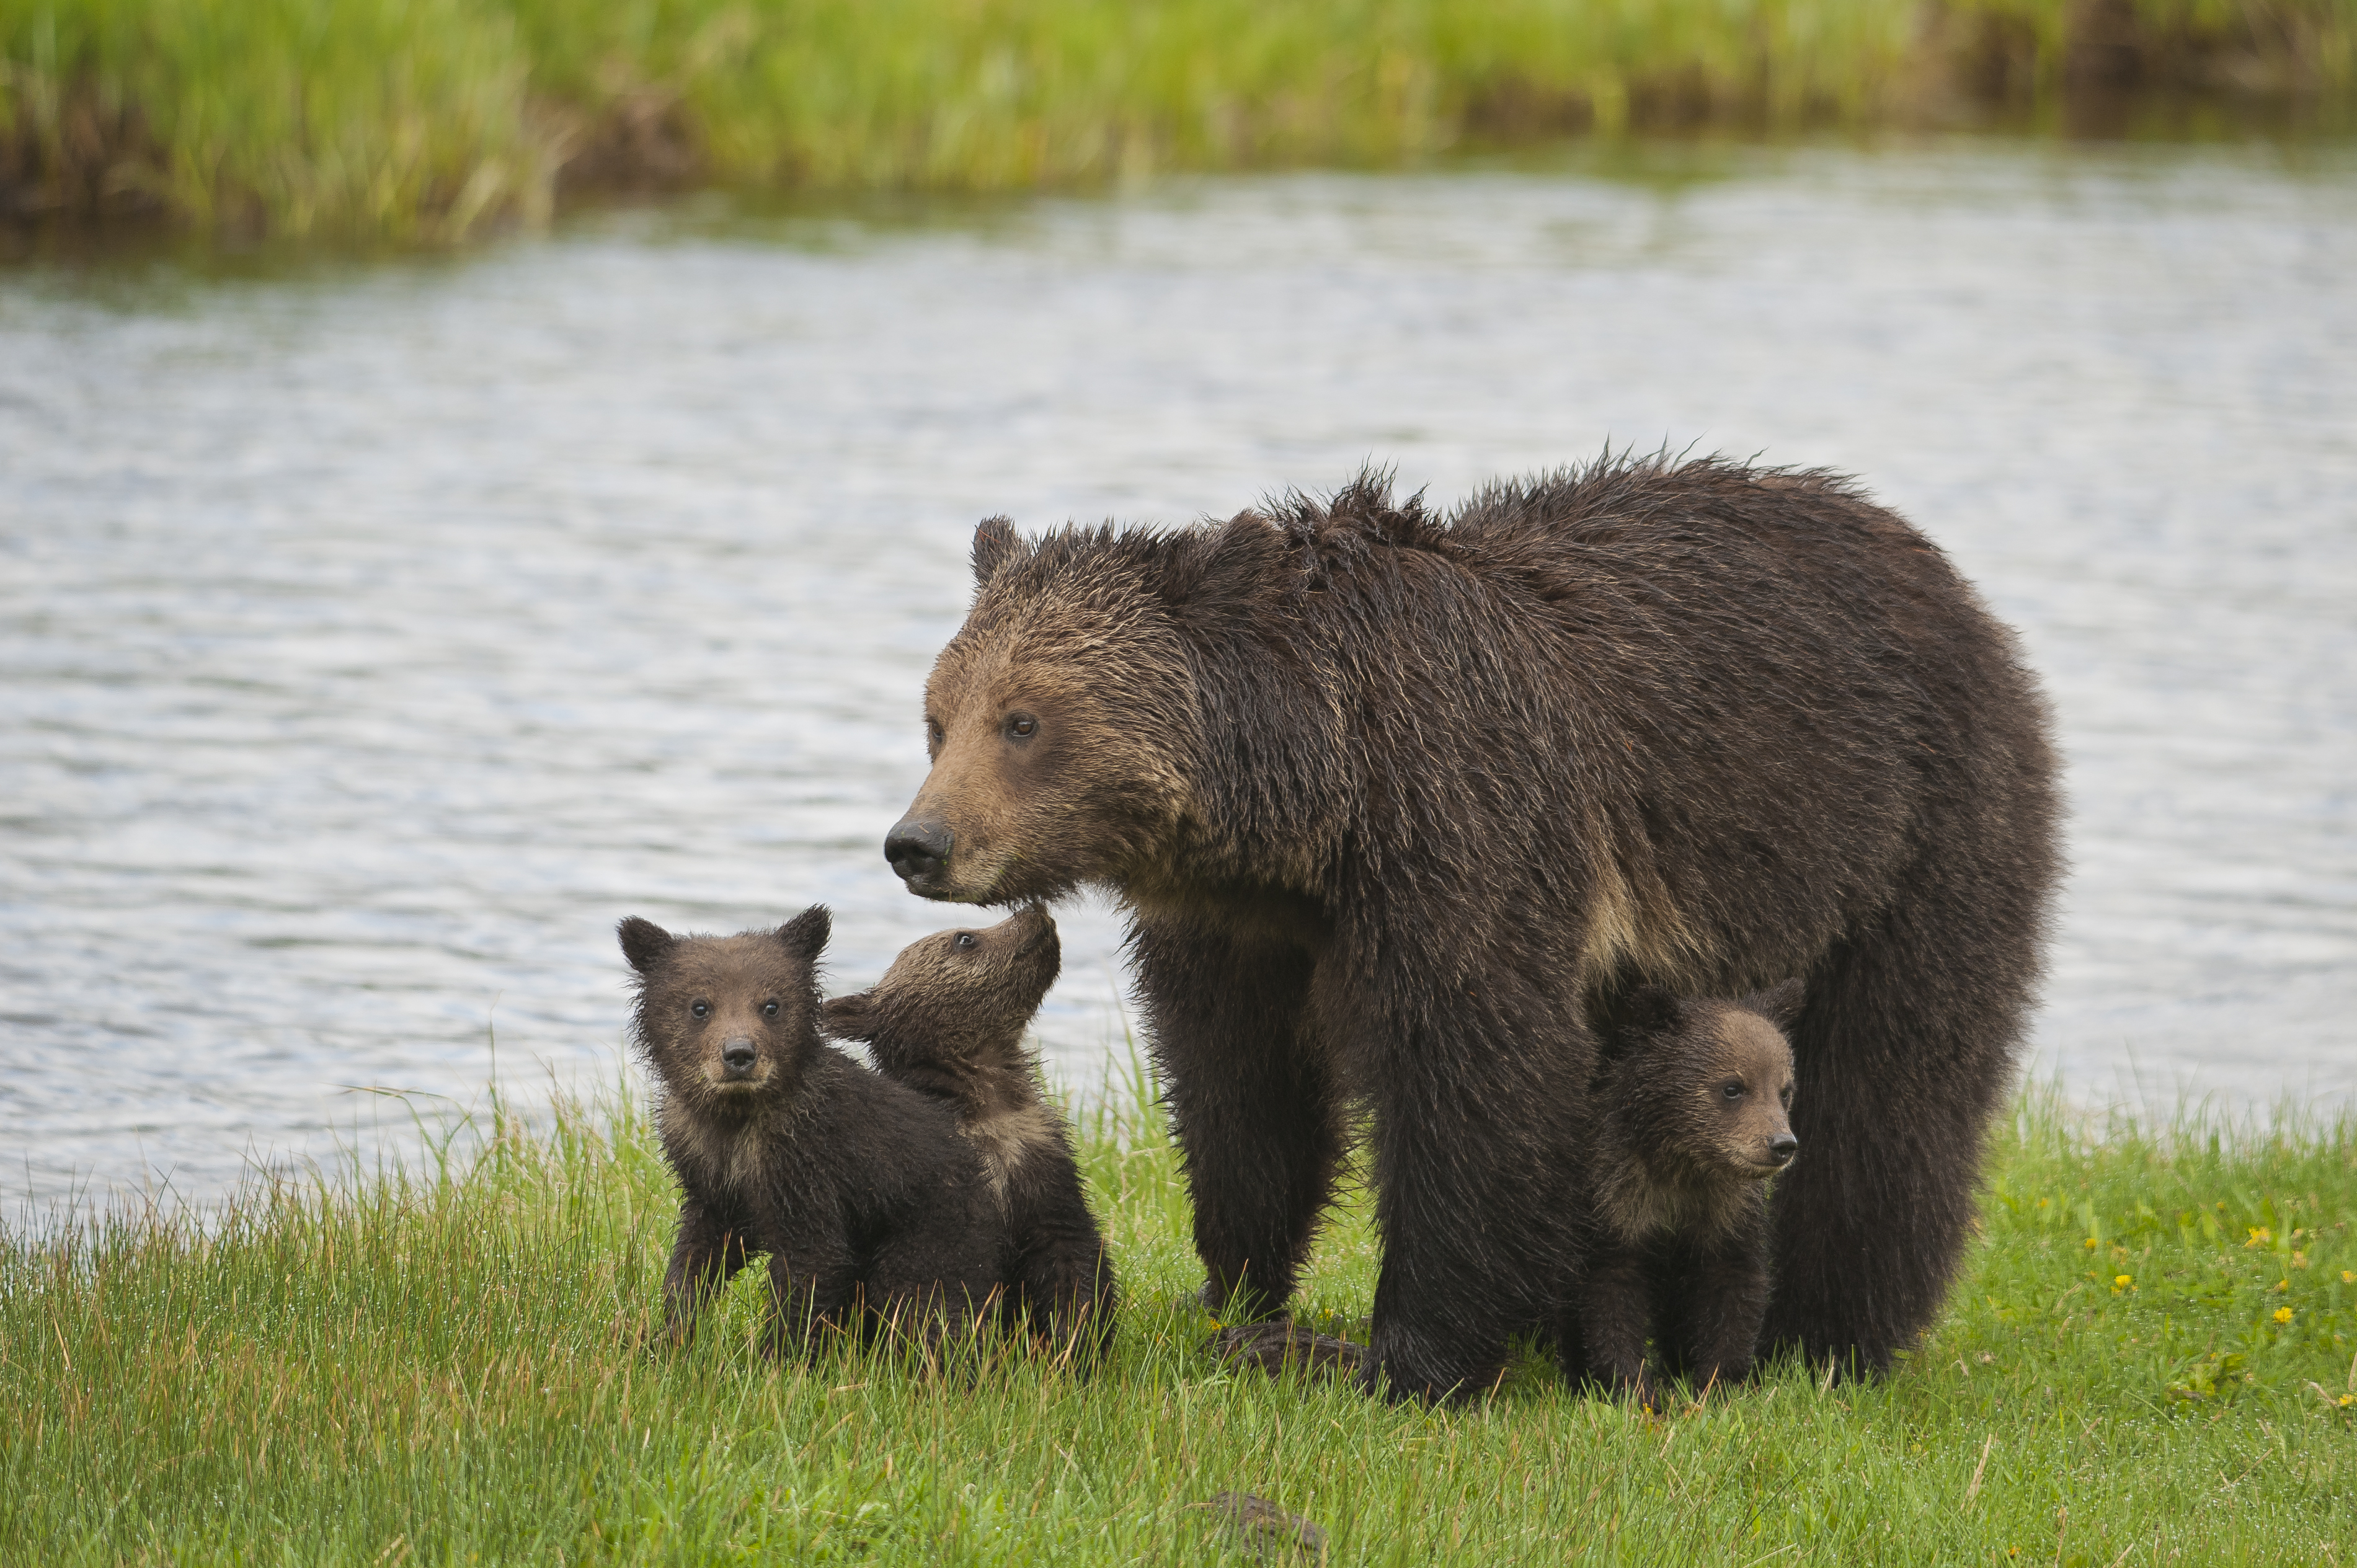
[[2150, 1360], [426, 120]]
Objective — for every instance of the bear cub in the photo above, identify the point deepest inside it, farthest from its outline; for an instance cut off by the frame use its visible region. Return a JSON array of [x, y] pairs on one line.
[[873, 1211], [948, 1019], [1691, 1103]]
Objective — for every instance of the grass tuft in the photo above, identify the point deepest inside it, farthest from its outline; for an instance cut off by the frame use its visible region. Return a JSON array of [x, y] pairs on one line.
[[2150, 1356]]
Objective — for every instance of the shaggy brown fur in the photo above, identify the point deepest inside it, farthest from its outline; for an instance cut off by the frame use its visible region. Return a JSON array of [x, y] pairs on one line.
[[1692, 1108], [872, 1208], [1398, 804], [948, 1018]]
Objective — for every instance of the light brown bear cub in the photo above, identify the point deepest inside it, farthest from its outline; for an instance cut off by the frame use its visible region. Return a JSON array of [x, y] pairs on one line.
[[948, 1019], [1692, 1107]]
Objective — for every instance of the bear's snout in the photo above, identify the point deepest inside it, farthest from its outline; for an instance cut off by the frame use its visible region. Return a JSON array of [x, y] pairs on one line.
[[737, 1056], [1782, 1148], [918, 850]]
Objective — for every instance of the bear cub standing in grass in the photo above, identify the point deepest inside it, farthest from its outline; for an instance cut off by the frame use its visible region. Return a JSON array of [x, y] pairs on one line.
[[1692, 1107], [948, 1018], [872, 1209]]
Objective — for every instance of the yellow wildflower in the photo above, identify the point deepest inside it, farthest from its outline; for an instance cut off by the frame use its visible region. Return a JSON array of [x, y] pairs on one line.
[[2283, 1314], [2260, 1235], [2283, 1284], [2299, 1259], [2092, 1243], [2123, 1281], [2348, 1278]]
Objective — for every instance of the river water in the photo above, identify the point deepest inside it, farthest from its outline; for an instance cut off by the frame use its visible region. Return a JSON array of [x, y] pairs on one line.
[[374, 635]]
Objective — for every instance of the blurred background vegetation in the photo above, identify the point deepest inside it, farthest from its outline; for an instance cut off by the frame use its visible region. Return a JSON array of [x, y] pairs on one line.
[[427, 121]]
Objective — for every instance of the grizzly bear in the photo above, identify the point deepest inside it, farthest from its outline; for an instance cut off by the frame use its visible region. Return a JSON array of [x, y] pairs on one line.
[[1401, 805], [948, 1019], [1692, 1108], [873, 1211]]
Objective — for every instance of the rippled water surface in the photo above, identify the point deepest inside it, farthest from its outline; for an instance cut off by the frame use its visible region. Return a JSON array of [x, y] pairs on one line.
[[371, 638]]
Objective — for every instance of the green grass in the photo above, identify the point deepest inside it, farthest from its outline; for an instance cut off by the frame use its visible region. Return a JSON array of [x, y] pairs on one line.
[[424, 120], [440, 1370]]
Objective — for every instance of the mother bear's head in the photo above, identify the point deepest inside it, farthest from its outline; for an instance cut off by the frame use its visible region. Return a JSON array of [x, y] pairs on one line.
[[1062, 719]]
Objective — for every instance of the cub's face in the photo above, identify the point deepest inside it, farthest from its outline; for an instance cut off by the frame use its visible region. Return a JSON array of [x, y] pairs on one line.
[[1052, 720], [1742, 1099], [960, 990], [726, 1021]]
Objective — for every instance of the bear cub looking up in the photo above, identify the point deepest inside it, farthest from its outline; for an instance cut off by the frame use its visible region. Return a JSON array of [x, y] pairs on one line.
[[1691, 1116], [948, 1018], [872, 1209]]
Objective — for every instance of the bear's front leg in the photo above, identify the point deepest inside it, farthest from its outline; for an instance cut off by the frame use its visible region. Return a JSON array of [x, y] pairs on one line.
[[1480, 1135], [1254, 1105], [706, 1256]]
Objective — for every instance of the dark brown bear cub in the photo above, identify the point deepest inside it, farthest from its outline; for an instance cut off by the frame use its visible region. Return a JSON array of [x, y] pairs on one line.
[[1691, 1103], [872, 1209], [948, 1019]]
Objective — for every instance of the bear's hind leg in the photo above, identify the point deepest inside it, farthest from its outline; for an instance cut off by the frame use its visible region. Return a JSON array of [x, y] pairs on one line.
[[1901, 1052]]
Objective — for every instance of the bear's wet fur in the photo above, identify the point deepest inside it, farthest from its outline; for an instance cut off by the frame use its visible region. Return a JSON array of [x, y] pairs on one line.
[[875, 1213], [1690, 1119], [948, 1019], [1399, 805]]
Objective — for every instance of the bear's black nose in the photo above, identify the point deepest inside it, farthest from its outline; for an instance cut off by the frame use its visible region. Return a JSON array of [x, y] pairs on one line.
[[737, 1055], [917, 849], [1782, 1147]]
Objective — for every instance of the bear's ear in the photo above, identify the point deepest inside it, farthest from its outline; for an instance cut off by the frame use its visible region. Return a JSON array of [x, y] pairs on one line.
[[805, 935], [1652, 1010], [850, 1017], [1780, 1004], [644, 943], [1225, 565], [995, 543]]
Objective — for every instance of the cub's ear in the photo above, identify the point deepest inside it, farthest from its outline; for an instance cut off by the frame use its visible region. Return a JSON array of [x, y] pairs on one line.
[[805, 935], [1652, 1010], [644, 943], [1780, 1004], [850, 1017], [995, 542]]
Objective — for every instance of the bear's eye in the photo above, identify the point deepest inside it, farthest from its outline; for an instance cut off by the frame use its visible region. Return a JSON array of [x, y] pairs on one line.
[[1787, 1096], [932, 732], [1020, 727], [769, 1009], [965, 940], [699, 1007], [1732, 1089]]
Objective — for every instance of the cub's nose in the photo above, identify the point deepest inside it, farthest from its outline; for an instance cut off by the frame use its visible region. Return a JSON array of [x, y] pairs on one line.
[[917, 849], [737, 1055], [1782, 1147]]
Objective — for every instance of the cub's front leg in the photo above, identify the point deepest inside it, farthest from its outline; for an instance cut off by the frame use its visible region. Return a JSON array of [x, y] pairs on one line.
[[709, 1250], [814, 1287], [1603, 1335]]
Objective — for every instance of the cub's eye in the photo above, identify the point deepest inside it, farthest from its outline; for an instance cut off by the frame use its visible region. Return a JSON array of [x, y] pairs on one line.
[[1787, 1096], [769, 1009], [965, 940], [1021, 726], [932, 732], [1732, 1089], [699, 1007]]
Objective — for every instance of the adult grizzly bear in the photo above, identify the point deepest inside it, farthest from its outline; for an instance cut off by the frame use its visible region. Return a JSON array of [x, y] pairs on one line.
[[1399, 803]]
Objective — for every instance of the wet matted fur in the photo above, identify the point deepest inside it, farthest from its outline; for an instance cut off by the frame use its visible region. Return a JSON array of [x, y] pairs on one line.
[[948, 1018], [873, 1211], [1691, 1118], [1398, 804]]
